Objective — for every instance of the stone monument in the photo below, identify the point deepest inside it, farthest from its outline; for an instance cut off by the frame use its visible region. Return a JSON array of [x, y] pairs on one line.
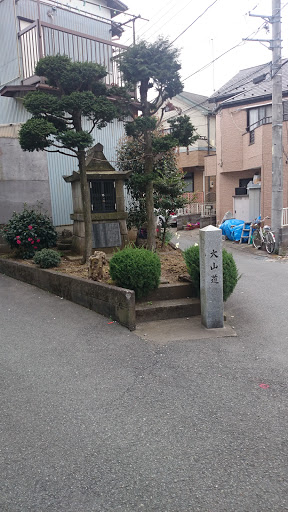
[[211, 277], [109, 229]]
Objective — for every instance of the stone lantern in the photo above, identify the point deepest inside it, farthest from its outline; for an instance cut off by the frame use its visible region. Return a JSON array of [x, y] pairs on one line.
[[109, 228]]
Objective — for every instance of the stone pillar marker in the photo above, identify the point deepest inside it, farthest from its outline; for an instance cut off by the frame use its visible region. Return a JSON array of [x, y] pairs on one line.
[[211, 277]]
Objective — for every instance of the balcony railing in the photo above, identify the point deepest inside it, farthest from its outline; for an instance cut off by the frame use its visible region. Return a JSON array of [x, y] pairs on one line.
[[41, 39]]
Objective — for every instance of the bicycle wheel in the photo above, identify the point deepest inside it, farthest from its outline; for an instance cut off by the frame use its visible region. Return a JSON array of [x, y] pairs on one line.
[[270, 242], [257, 239]]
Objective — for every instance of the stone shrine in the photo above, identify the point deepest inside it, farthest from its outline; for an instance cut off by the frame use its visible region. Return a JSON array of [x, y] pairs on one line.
[[109, 228]]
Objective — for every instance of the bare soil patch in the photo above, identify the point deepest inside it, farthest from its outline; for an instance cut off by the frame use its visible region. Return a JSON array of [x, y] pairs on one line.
[[172, 266]]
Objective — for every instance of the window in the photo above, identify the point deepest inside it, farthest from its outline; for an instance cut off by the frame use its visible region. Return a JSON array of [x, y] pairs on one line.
[[188, 182], [256, 117]]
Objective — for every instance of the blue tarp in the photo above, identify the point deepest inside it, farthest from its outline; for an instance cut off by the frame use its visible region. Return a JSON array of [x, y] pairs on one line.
[[232, 228]]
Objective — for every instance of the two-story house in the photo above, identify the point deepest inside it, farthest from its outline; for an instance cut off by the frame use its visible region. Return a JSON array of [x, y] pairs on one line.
[[198, 188], [243, 160], [30, 29]]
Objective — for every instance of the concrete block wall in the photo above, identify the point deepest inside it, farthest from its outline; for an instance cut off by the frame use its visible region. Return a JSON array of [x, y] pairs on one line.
[[23, 179]]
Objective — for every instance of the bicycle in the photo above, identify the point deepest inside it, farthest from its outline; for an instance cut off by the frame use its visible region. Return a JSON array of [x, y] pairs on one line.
[[263, 236]]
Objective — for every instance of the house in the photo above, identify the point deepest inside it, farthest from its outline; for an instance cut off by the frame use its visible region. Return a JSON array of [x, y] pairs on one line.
[[81, 29], [243, 160], [198, 188]]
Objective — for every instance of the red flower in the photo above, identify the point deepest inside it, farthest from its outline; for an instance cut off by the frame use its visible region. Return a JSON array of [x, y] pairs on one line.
[[32, 241], [29, 239], [18, 242], [17, 236], [30, 227], [38, 240], [35, 247]]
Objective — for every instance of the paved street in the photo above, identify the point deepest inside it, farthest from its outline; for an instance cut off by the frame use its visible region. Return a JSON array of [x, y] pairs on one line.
[[95, 419]]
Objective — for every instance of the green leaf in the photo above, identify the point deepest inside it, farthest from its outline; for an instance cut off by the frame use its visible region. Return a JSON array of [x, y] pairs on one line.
[[35, 134]]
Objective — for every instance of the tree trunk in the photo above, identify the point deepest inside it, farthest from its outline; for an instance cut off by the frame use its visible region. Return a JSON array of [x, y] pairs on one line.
[[148, 166], [85, 194], [148, 169]]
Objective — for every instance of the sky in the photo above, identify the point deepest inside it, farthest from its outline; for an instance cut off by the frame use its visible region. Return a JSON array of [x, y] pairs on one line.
[[220, 28]]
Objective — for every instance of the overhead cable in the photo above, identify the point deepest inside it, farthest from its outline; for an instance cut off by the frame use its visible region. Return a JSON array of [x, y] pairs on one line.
[[200, 15]]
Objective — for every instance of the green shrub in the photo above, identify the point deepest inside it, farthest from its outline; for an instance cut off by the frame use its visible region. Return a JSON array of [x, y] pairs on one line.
[[47, 258], [136, 269], [29, 231], [230, 271], [191, 257]]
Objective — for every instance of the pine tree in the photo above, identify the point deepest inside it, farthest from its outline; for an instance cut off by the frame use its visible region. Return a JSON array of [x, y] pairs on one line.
[[155, 69], [76, 91]]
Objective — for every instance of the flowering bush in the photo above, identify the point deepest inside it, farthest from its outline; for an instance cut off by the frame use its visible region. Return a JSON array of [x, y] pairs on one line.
[[29, 231]]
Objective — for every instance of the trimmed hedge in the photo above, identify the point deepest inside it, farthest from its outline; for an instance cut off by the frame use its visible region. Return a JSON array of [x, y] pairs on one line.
[[47, 258], [136, 269], [230, 272]]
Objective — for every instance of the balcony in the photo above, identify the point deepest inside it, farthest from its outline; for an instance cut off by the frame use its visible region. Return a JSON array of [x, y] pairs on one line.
[[41, 39]]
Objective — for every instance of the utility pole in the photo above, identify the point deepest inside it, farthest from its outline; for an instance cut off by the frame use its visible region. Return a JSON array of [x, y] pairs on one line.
[[277, 117], [277, 123]]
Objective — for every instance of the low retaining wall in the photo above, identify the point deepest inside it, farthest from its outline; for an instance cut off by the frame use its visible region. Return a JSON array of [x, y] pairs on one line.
[[208, 220], [108, 300], [182, 220]]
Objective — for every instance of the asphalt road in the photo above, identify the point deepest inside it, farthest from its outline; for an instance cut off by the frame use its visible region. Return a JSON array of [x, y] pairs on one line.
[[94, 419]]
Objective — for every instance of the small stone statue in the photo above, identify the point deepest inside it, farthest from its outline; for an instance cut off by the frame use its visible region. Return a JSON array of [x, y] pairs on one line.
[[95, 265]]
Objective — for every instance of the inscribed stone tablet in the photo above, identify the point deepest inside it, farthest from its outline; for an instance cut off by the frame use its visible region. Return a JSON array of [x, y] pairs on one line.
[[106, 234]]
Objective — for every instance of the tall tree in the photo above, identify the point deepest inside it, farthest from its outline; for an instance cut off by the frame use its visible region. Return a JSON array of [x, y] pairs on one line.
[[155, 68], [168, 184], [76, 91]]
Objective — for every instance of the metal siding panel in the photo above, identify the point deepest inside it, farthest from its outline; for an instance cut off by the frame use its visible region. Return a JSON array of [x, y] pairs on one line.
[[60, 191], [65, 18], [12, 111], [61, 165], [109, 137], [9, 61], [78, 23]]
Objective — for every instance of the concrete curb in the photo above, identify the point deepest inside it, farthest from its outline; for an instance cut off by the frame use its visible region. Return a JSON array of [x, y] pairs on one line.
[[107, 300]]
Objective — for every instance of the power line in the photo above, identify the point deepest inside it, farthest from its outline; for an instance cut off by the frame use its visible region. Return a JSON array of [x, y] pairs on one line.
[[155, 23], [241, 83], [242, 42], [141, 32], [185, 30], [230, 49], [163, 25]]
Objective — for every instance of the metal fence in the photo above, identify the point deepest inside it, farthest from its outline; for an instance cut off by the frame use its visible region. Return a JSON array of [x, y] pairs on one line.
[[198, 208]]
